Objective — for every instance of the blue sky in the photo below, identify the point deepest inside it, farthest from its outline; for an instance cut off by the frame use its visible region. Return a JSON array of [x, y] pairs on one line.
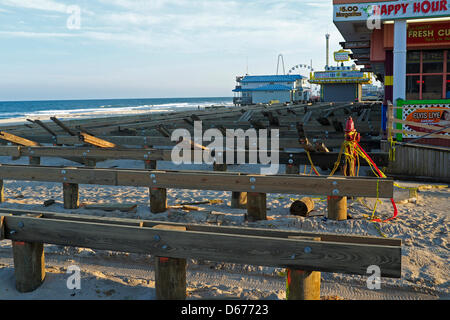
[[153, 48]]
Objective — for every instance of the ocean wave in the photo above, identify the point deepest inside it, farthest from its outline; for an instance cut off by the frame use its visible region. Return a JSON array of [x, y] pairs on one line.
[[105, 110]]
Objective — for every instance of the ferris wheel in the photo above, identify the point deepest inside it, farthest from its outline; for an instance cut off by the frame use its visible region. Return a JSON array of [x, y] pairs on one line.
[[300, 67]]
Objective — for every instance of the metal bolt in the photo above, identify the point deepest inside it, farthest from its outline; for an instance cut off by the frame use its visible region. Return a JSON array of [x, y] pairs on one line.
[[252, 180], [157, 238], [84, 154], [12, 232], [334, 183], [63, 171], [154, 181], [335, 192], [65, 179], [20, 224], [145, 156], [291, 161], [152, 176], [164, 247], [308, 250], [293, 256], [252, 187]]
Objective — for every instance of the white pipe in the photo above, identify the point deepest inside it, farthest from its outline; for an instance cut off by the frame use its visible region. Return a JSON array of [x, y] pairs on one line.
[[400, 50]]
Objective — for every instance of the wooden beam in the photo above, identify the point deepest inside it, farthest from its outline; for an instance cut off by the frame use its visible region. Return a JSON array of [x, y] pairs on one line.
[[220, 181], [291, 253], [96, 141], [63, 126], [207, 228], [17, 140], [45, 127], [294, 159]]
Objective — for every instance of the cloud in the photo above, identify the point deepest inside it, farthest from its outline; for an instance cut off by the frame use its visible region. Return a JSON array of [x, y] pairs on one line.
[[46, 5]]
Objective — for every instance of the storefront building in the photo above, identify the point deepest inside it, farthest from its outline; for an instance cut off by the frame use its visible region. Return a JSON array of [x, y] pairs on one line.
[[406, 44]]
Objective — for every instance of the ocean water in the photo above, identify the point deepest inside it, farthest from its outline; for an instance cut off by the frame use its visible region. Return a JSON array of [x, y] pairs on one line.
[[87, 108]]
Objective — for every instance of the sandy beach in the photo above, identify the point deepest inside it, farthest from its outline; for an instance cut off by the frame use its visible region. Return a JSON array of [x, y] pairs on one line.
[[422, 224]]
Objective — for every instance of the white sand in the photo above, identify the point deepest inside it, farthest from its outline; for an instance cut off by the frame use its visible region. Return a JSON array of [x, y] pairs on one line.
[[423, 226]]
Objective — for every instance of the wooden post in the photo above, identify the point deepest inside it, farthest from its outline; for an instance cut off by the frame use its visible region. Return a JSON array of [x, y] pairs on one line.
[[303, 285], [71, 196], [337, 208], [239, 200], [158, 200], [29, 265], [292, 169], [220, 167], [2, 192], [150, 164], [90, 163], [35, 161], [170, 278], [256, 206], [170, 273]]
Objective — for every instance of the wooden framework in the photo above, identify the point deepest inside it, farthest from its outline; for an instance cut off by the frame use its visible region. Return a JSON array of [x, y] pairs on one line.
[[295, 250], [219, 181]]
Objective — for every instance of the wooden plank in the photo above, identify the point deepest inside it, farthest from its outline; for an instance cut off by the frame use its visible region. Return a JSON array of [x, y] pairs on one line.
[[229, 181], [124, 207], [45, 127], [292, 253], [87, 138], [17, 140], [207, 228], [169, 227], [63, 126]]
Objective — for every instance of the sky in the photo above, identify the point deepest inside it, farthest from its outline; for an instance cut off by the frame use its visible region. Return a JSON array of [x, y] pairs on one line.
[[99, 49]]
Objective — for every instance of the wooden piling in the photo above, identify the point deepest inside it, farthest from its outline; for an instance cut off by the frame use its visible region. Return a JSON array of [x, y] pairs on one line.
[[35, 161], [71, 196], [256, 206], [239, 200], [303, 285], [170, 273], [220, 167], [337, 208], [2, 192], [292, 169], [170, 278], [158, 200], [150, 164], [302, 207], [90, 163], [29, 265]]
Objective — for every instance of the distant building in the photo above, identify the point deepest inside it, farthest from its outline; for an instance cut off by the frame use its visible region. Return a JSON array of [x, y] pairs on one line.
[[263, 89]]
